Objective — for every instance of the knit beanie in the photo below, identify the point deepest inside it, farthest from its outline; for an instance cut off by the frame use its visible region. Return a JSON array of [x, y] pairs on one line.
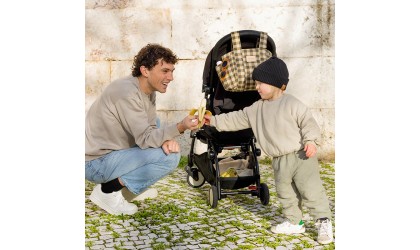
[[273, 71]]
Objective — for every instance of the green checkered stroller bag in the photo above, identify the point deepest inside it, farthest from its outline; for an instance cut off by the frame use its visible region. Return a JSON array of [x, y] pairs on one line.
[[235, 69]]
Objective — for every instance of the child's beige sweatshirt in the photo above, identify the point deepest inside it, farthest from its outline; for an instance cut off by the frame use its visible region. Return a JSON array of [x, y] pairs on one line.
[[281, 126]]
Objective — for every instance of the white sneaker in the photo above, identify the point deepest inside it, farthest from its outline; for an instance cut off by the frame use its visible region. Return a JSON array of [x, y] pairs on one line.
[[148, 194], [288, 228], [325, 232], [113, 203]]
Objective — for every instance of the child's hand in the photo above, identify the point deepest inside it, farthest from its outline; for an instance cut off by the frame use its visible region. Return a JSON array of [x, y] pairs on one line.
[[207, 118], [310, 150]]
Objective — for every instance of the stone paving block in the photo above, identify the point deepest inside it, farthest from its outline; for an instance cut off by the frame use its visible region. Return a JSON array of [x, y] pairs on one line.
[[221, 238], [124, 234], [134, 238], [129, 247], [105, 237], [98, 242], [180, 248], [98, 247], [281, 248], [161, 240], [134, 233], [112, 244], [148, 241]]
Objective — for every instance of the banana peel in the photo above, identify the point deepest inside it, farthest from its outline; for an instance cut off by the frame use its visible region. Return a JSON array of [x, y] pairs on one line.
[[201, 112], [230, 172]]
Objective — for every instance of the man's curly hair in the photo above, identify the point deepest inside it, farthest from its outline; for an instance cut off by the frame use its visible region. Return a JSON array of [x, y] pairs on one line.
[[149, 55]]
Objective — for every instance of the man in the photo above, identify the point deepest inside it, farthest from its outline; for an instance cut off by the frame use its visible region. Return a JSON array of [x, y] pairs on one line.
[[124, 144]]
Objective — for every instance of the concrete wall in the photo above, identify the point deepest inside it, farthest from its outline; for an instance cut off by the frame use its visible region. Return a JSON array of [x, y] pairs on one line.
[[303, 31]]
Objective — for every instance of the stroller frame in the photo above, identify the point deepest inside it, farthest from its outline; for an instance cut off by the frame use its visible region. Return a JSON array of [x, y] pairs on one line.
[[207, 166]]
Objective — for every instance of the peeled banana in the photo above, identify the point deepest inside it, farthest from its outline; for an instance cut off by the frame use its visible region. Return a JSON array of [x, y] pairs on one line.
[[201, 112]]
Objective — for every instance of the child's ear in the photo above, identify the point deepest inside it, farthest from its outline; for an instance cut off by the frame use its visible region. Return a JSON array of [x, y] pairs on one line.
[[283, 87]]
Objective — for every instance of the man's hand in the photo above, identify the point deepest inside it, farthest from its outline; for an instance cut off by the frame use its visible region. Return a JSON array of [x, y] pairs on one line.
[[170, 146], [310, 150], [189, 122]]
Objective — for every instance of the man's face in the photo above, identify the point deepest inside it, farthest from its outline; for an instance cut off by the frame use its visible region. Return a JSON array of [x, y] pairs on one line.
[[159, 77]]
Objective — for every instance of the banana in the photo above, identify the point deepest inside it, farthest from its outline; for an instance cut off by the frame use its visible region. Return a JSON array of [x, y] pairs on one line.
[[230, 172], [201, 112]]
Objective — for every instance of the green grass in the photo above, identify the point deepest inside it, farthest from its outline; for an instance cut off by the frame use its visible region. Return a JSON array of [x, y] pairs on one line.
[[266, 160], [183, 162]]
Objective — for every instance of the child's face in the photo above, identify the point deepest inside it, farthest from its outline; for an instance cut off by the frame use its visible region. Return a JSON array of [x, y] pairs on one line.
[[267, 91]]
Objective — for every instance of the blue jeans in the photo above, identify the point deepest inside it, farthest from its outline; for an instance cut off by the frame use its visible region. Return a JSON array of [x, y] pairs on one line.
[[137, 168]]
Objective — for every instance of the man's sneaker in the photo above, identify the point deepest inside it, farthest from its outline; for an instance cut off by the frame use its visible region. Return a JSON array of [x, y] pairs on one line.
[[113, 203], [148, 194], [325, 232], [288, 228]]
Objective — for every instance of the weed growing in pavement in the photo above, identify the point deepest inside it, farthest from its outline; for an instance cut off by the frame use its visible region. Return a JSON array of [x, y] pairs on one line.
[[306, 244], [118, 247], [243, 247], [298, 247], [183, 162], [115, 234], [266, 160], [159, 246], [197, 235], [330, 246], [89, 244], [218, 245]]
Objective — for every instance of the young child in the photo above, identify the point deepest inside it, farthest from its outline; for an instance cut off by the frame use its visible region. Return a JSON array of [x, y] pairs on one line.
[[285, 130]]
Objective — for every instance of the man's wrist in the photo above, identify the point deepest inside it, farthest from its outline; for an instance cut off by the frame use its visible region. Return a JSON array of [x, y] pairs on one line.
[[180, 127]]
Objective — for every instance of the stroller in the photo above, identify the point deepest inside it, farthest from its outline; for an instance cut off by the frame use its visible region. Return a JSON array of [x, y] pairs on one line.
[[206, 165]]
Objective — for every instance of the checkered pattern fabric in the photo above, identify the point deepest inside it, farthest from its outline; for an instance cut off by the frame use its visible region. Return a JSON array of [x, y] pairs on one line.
[[235, 69]]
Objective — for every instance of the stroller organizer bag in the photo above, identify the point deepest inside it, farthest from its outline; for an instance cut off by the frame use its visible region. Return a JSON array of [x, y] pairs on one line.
[[238, 173]]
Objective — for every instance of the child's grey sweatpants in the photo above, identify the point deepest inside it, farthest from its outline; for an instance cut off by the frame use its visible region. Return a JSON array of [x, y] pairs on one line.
[[297, 179]]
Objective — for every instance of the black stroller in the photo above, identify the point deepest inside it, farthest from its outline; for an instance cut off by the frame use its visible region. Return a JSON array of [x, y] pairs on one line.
[[206, 166]]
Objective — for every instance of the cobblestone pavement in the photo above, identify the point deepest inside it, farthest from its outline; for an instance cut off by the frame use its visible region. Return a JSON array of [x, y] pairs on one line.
[[179, 218]]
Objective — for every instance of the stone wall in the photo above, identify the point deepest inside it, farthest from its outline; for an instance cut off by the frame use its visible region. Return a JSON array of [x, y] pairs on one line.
[[303, 31]]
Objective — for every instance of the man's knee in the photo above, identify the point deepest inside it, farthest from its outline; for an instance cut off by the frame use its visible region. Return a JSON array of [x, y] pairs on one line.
[[172, 160]]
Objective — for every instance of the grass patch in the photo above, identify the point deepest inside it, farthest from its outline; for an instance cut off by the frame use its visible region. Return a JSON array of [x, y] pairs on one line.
[[183, 162], [266, 160]]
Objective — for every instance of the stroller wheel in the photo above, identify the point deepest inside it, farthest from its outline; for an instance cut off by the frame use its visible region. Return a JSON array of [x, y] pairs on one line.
[[213, 197], [195, 182], [264, 194]]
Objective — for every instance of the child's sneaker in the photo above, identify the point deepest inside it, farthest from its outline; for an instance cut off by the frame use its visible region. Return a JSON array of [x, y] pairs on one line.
[[113, 203], [325, 232], [288, 228]]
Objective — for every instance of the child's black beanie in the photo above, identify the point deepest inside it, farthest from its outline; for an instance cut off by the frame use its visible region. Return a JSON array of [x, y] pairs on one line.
[[273, 71]]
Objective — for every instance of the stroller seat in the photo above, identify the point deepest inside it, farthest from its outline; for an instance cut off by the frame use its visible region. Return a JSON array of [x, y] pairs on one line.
[[204, 166]]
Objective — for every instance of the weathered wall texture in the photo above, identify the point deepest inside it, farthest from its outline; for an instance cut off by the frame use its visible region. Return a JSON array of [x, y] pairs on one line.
[[303, 31]]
